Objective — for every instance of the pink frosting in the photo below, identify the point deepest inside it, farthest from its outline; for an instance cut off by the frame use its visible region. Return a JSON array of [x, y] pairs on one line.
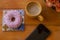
[[13, 24]]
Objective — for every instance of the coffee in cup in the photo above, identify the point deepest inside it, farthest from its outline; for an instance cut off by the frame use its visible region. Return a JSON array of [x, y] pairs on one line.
[[34, 9]]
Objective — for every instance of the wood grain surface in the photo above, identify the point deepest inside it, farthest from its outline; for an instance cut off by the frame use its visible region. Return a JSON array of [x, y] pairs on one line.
[[51, 20]]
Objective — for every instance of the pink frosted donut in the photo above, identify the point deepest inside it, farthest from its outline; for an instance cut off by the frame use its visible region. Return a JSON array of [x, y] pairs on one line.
[[13, 19]]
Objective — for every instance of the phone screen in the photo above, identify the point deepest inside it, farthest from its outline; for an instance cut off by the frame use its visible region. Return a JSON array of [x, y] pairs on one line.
[[40, 33]]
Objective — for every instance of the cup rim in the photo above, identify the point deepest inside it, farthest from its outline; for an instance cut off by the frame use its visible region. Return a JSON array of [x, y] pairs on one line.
[[40, 7]]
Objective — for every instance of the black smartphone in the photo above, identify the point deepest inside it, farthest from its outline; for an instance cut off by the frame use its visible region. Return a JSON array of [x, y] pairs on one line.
[[40, 33]]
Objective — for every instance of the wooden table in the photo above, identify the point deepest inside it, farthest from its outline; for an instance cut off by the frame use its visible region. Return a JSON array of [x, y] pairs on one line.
[[51, 20]]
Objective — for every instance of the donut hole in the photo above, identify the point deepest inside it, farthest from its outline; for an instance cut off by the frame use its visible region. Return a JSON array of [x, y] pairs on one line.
[[13, 19]]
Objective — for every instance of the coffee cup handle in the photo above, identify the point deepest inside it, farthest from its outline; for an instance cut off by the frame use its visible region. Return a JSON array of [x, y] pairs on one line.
[[40, 18]]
